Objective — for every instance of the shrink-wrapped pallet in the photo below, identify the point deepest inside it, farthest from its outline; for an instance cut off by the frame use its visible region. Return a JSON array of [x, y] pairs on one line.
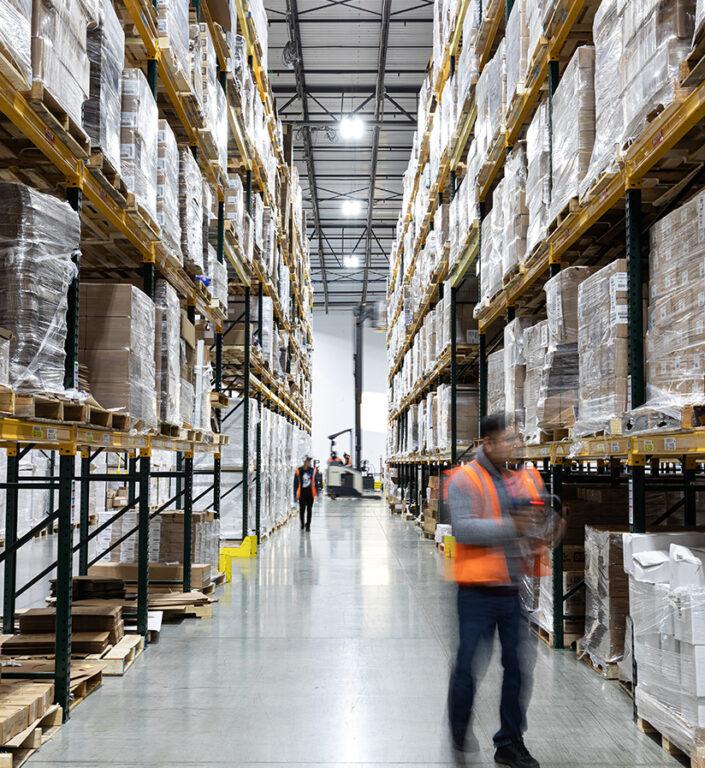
[[138, 136], [218, 275], [573, 129], [60, 51], [517, 49], [174, 28], [699, 21], [603, 326], [558, 396], [202, 388], [39, 236], [491, 247], [167, 353], [538, 176], [16, 39], [516, 214], [496, 400], [214, 101], [535, 346], [515, 368], [191, 211], [490, 97], [117, 342], [101, 113], [467, 415], [168, 190]]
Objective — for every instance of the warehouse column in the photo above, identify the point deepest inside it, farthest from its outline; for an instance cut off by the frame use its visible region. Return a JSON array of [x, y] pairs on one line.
[[148, 261], [188, 516], [132, 475], [10, 572], [482, 348], [220, 253], [85, 508], [143, 544], [64, 580], [557, 561]]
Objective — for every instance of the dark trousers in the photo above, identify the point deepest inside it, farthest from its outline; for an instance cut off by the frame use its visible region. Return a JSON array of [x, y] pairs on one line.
[[306, 508], [479, 613]]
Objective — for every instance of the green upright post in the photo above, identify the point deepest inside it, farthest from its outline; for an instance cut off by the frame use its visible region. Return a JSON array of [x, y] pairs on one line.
[[52, 470], [188, 519], [64, 582], [216, 486], [143, 545], [482, 379], [131, 483], [636, 316], [557, 490], [152, 76], [10, 571], [85, 505]]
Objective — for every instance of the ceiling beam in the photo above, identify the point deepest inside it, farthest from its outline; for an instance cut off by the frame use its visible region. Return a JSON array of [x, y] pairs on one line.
[[337, 89], [292, 17]]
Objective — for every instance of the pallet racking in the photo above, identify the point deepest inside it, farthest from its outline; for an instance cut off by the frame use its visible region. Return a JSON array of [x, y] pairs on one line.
[[128, 244]]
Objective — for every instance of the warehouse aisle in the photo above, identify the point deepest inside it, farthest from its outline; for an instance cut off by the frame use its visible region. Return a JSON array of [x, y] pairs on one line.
[[332, 649]]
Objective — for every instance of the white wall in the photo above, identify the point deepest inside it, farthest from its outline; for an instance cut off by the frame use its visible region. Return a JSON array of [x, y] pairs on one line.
[[334, 385]]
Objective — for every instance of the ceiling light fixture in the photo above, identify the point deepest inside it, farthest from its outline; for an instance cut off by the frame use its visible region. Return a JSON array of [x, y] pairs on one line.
[[351, 128], [351, 208], [351, 262]]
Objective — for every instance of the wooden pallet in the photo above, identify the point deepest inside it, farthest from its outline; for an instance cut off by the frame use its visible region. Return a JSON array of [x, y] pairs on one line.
[[58, 121], [549, 639], [121, 422], [514, 273], [19, 749], [86, 685], [98, 417], [696, 757], [142, 218], [569, 209], [219, 400], [108, 177], [7, 401], [171, 430], [607, 669], [118, 658], [599, 187], [180, 79], [38, 407]]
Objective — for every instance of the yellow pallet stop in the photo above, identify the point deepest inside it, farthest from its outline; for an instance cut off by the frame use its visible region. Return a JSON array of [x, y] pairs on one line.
[[247, 548]]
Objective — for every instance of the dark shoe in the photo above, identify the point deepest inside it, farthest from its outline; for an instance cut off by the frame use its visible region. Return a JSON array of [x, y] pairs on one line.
[[464, 742], [308, 528], [515, 755]]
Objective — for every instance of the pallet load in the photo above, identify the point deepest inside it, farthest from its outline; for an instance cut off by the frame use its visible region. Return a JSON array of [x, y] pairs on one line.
[[167, 353], [602, 348], [168, 190], [40, 234], [491, 247], [666, 600], [558, 396], [515, 216], [22, 703], [535, 346], [101, 113], [174, 27], [215, 108], [138, 140], [517, 49], [203, 373], [187, 346], [573, 130], [515, 369], [573, 607], [84, 618], [16, 40], [496, 398], [191, 212], [116, 344], [490, 95]]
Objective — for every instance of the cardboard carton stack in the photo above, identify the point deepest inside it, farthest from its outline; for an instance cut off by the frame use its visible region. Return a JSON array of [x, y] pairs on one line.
[[574, 606], [116, 344], [191, 212], [187, 345], [431, 511], [84, 618], [167, 353], [214, 101], [168, 190], [16, 40], [538, 176], [22, 703], [171, 537], [516, 213], [535, 346], [515, 368], [496, 399], [603, 327], [174, 25]]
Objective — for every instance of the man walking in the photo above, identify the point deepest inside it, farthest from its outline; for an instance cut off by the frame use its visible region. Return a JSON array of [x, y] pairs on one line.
[[305, 479], [500, 525]]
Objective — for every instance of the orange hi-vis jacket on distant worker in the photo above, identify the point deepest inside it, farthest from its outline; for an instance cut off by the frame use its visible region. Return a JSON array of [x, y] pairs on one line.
[[314, 472], [487, 566]]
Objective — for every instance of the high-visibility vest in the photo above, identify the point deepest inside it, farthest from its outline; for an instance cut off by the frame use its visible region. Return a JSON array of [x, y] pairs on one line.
[[313, 483], [487, 566]]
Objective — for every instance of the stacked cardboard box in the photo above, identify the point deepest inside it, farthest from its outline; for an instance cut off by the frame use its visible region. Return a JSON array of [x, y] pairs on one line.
[[191, 212], [173, 25], [167, 353], [431, 510], [467, 415], [101, 113], [214, 102], [158, 572], [558, 397], [16, 39], [517, 48], [39, 235], [538, 176], [574, 606], [84, 618], [515, 368], [602, 347], [573, 129], [188, 370], [515, 217], [22, 702], [535, 346], [204, 543], [116, 344], [168, 190], [496, 399]]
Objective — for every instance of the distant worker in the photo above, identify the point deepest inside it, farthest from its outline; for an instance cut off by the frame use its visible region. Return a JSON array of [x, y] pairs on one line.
[[334, 458], [305, 484], [346, 460], [318, 475], [501, 525]]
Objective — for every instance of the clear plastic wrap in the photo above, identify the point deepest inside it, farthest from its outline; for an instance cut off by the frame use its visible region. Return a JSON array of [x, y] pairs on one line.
[[101, 113], [535, 346], [213, 97], [38, 237], [541, 592], [191, 211], [138, 139], [602, 348], [202, 388], [538, 176], [496, 401], [16, 37], [168, 190], [218, 274], [657, 37], [515, 368], [699, 21], [186, 403], [166, 353], [607, 31], [491, 246], [517, 49], [174, 25], [117, 343], [573, 128], [60, 51], [515, 214], [606, 596]]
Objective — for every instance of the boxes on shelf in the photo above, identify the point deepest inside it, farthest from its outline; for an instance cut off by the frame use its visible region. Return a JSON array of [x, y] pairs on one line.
[[535, 346], [116, 344], [16, 39], [602, 348], [188, 370], [515, 218], [174, 26], [167, 353], [168, 190], [101, 113], [517, 49], [39, 235], [538, 176], [496, 399], [138, 140], [191, 211], [515, 368], [573, 129]]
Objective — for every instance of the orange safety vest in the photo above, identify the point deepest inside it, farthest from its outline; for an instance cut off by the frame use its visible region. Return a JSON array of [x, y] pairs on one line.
[[313, 484], [487, 566]]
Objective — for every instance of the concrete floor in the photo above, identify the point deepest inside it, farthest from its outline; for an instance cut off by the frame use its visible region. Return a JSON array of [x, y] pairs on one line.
[[333, 648]]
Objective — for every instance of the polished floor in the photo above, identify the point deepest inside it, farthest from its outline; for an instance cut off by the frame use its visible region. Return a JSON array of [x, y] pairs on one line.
[[333, 649]]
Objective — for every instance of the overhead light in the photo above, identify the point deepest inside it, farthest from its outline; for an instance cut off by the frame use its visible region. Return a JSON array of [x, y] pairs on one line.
[[351, 262], [351, 208], [352, 128]]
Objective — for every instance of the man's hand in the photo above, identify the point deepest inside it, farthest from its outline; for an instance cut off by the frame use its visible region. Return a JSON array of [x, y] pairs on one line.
[[525, 521]]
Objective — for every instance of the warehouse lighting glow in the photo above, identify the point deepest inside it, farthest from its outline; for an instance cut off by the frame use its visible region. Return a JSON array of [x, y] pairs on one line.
[[351, 208], [351, 128], [351, 262]]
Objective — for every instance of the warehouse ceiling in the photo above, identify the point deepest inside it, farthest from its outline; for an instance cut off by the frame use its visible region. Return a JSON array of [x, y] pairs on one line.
[[330, 59]]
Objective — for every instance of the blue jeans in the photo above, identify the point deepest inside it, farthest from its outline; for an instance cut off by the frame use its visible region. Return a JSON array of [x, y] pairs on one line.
[[479, 612]]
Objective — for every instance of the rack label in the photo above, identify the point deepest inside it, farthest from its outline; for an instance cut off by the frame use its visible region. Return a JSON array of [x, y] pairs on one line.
[[648, 445], [669, 443], [51, 434], [614, 447], [37, 432]]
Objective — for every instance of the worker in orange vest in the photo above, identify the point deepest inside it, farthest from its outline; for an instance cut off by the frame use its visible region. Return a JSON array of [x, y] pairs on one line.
[[501, 524], [346, 460], [305, 486]]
